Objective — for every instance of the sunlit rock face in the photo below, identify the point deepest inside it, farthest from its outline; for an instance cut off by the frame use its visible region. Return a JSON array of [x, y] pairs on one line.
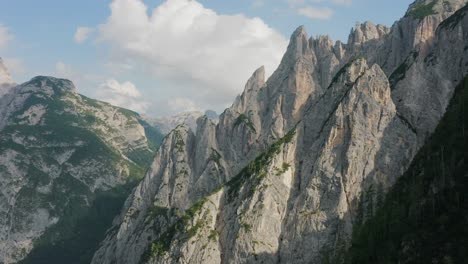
[[297, 158]]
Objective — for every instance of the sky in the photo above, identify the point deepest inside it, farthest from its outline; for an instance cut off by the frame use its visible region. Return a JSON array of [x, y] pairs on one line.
[[161, 57]]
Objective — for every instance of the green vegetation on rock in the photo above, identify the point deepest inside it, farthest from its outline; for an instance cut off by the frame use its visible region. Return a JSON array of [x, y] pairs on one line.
[[179, 143], [244, 119], [63, 157], [255, 170], [182, 228], [215, 156], [160, 246], [422, 10], [75, 238], [454, 19], [399, 73]]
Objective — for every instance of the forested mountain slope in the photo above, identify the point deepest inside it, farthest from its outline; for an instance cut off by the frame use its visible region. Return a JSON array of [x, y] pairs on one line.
[[66, 164]]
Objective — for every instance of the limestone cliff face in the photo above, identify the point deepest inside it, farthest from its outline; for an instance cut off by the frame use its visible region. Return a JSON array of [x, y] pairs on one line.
[[343, 138], [296, 160], [58, 152], [423, 83]]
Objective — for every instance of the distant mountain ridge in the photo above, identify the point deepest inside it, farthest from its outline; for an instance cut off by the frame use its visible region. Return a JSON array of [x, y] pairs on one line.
[[166, 124], [61, 156]]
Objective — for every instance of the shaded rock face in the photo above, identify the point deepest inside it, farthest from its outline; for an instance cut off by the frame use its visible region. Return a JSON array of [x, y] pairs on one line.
[[284, 174], [393, 235], [58, 152]]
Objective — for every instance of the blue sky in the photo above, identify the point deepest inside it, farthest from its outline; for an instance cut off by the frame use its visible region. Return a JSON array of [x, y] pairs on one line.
[[163, 69]]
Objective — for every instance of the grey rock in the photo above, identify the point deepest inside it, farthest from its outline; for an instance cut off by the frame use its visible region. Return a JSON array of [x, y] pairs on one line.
[[291, 164]]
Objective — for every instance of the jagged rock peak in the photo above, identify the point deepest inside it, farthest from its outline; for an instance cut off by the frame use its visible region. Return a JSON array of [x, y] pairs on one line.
[[365, 32], [340, 50], [298, 44], [247, 100], [326, 39], [351, 136], [52, 82], [321, 43], [300, 31], [257, 79]]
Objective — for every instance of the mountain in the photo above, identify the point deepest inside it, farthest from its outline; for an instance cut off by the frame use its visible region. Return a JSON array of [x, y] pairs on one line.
[[423, 218], [166, 124], [303, 158], [212, 114], [67, 162]]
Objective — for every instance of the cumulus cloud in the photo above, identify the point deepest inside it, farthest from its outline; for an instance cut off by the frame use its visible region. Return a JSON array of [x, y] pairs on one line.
[[124, 94], [63, 70], [5, 36], [206, 56], [315, 12], [82, 34], [83, 81], [14, 65]]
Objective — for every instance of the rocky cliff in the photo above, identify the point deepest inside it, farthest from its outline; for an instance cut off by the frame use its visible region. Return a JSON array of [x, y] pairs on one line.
[[423, 218], [65, 161], [287, 171]]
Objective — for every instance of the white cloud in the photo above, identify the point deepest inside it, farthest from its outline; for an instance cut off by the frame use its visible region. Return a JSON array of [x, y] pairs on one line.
[[82, 34], [125, 89], [65, 71], [5, 36], [122, 94], [194, 51], [315, 12], [14, 65]]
